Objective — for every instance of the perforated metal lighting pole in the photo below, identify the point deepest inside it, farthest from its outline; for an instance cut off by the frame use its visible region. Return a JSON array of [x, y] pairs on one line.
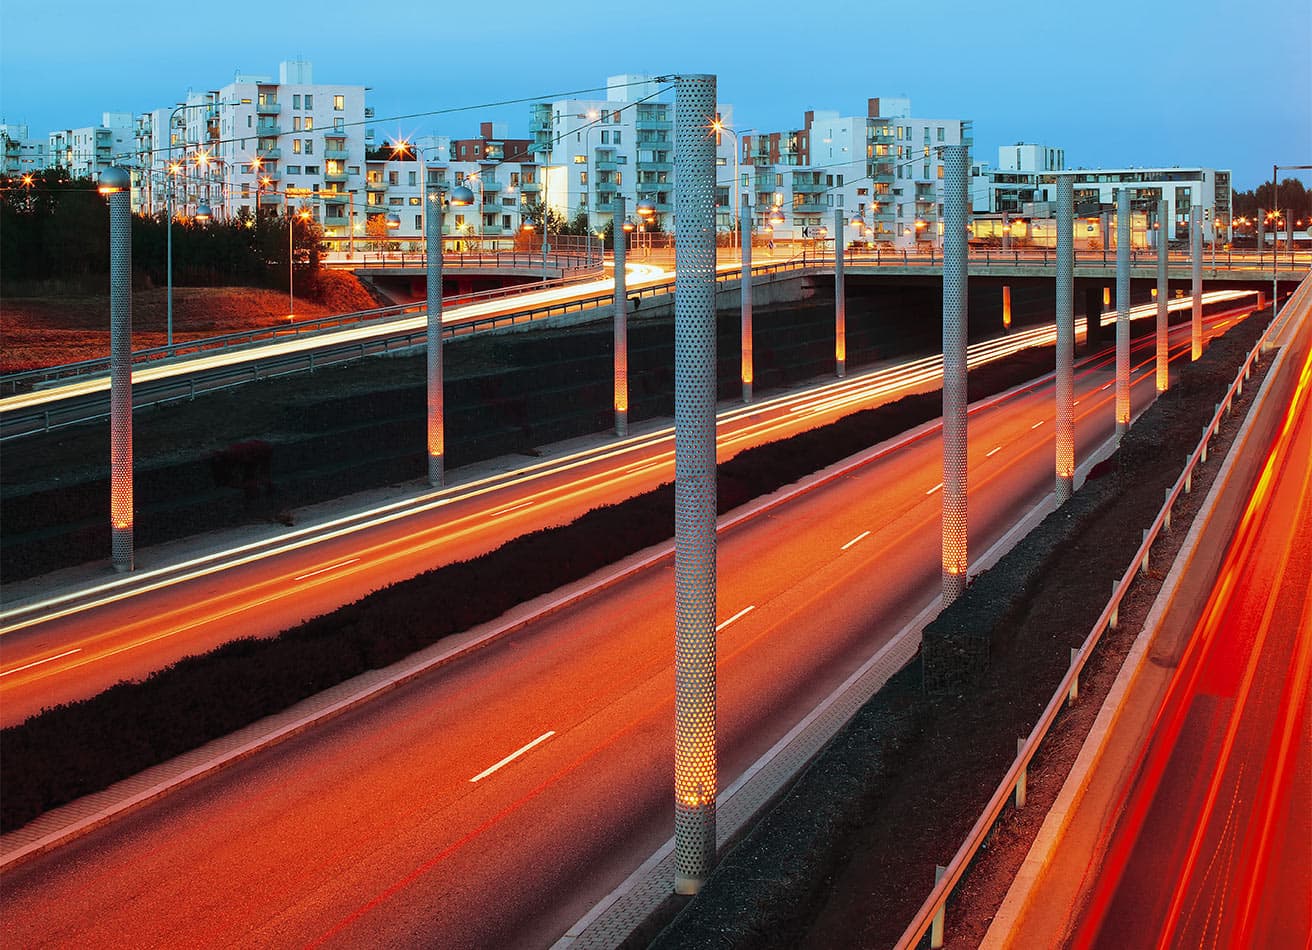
[[955, 164], [1163, 303], [1065, 338], [840, 300], [695, 756], [1196, 275], [745, 228], [433, 334], [1122, 311], [116, 184], [621, 323]]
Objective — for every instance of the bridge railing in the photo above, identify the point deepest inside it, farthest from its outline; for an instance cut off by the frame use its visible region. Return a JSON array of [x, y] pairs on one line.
[[931, 915], [14, 382]]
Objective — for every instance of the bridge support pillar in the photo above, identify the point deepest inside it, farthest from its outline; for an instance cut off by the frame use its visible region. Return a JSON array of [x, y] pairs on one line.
[[695, 753], [1122, 311], [621, 322], [956, 160], [745, 233], [840, 299], [1196, 279], [436, 435], [1065, 314], [1163, 302], [1093, 329]]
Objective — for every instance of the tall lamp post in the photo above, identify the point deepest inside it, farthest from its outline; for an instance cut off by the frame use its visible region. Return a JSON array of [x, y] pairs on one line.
[[737, 150], [115, 183]]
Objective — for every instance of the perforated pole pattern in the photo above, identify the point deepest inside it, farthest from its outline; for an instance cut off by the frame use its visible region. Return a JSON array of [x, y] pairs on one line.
[[621, 325], [745, 227], [1196, 260], [695, 757], [955, 164], [1065, 338], [433, 249], [840, 300], [1122, 310], [1163, 302], [120, 381]]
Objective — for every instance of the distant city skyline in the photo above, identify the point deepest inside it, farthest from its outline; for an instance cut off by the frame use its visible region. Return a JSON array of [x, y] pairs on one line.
[[1132, 84]]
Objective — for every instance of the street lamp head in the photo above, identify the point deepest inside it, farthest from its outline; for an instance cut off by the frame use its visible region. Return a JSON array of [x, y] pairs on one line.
[[627, 225], [203, 213], [393, 222], [776, 215], [646, 208], [113, 180], [462, 196]]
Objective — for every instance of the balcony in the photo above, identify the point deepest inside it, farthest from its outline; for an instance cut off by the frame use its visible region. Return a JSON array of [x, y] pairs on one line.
[[336, 154], [267, 108], [267, 198], [375, 186], [652, 124], [267, 128], [530, 187], [334, 197], [809, 206], [655, 166], [268, 154], [491, 185], [339, 176]]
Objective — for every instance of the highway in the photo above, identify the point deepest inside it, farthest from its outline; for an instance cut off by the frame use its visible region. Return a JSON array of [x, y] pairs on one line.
[[491, 803], [60, 648], [1213, 844]]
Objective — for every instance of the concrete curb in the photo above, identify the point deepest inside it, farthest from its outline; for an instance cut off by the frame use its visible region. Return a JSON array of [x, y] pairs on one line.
[[1024, 893]]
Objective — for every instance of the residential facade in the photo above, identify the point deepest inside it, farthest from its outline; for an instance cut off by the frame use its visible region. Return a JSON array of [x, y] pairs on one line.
[[20, 152], [883, 170], [85, 152]]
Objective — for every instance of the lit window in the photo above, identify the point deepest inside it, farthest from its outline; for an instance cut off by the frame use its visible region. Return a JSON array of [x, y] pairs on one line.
[[339, 103], [296, 146], [309, 122]]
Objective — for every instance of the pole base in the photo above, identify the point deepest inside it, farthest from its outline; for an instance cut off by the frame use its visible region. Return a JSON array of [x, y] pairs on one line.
[[621, 422], [687, 886], [1065, 488], [747, 392], [436, 471]]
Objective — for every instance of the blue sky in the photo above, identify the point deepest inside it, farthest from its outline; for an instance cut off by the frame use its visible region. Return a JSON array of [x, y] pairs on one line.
[[1220, 84]]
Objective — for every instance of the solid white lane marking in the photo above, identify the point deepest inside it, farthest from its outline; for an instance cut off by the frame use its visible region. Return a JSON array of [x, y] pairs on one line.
[[934, 489], [513, 756], [742, 613], [1107, 386], [325, 570], [1037, 424], [28, 666], [855, 540], [995, 451]]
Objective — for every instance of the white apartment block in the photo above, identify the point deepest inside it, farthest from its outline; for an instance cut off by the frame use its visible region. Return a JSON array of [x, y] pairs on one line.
[[1024, 184], [884, 167], [87, 151], [593, 150], [21, 153]]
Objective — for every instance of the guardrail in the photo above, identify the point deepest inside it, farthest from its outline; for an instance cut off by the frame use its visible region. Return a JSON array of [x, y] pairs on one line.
[[100, 365], [18, 423], [930, 916], [382, 259]]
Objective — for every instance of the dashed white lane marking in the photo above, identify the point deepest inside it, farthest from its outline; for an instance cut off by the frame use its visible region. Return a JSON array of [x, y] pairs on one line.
[[742, 613], [514, 755], [863, 534]]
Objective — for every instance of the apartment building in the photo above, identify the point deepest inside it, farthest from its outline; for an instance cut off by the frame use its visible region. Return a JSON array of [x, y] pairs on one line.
[[1024, 184], [883, 169], [87, 151], [19, 151], [586, 152]]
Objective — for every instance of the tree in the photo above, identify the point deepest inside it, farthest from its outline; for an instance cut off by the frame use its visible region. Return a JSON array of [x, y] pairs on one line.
[[376, 231], [533, 215]]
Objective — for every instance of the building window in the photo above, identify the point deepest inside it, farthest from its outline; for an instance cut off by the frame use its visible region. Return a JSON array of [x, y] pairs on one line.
[[309, 122], [940, 134], [296, 123], [605, 136], [583, 178], [296, 146], [412, 179], [393, 178], [580, 159], [339, 103], [312, 170], [925, 172], [414, 200], [339, 123], [615, 139], [939, 169], [293, 169], [309, 101], [309, 146], [296, 102]]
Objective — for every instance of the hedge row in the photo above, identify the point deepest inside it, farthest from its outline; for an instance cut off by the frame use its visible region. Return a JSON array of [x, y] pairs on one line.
[[78, 748]]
